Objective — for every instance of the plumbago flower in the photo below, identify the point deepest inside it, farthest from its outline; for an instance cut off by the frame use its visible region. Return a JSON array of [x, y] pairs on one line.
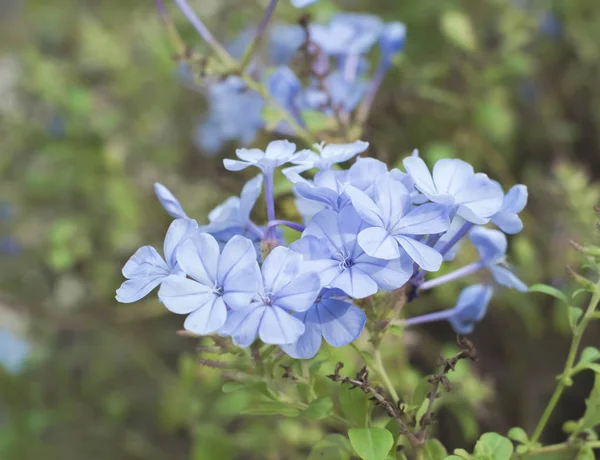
[[367, 229]]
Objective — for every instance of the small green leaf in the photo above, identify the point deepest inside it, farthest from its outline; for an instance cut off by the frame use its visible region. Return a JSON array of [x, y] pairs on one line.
[[421, 411], [461, 454], [371, 443], [589, 355], [549, 290], [586, 453], [316, 121], [518, 434], [271, 408], [579, 291], [434, 450], [492, 446], [581, 280], [591, 417], [355, 406], [331, 447], [595, 367], [272, 116], [319, 409], [459, 29], [574, 315], [230, 387]]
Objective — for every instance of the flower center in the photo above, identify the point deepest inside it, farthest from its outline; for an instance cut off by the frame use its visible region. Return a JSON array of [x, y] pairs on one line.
[[344, 260], [217, 291], [266, 298]]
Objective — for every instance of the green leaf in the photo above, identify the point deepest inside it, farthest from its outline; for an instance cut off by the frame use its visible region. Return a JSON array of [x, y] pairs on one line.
[[319, 409], [574, 315], [518, 434], [459, 29], [591, 417], [316, 121], [230, 387], [579, 291], [371, 443], [589, 355], [421, 411], [271, 408], [549, 290], [355, 406], [332, 447], [272, 116], [434, 450], [586, 453], [460, 454], [492, 446]]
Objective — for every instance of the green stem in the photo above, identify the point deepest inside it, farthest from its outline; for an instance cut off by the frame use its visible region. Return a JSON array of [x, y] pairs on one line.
[[566, 374], [249, 52], [380, 369], [559, 448]]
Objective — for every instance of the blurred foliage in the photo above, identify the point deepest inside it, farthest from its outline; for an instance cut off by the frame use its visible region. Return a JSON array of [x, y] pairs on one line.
[[92, 113]]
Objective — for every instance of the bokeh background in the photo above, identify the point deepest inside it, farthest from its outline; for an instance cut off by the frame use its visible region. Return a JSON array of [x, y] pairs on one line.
[[93, 111]]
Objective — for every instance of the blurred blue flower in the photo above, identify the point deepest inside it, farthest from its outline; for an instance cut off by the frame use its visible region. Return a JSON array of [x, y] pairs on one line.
[[10, 246], [14, 350], [347, 33], [146, 269], [331, 318], [550, 25], [396, 223], [392, 39], [302, 3], [330, 248], [492, 245], [219, 281], [281, 288], [284, 42], [507, 218], [472, 196]]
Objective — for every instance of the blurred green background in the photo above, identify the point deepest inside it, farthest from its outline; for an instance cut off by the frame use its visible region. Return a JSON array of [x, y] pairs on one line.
[[92, 113]]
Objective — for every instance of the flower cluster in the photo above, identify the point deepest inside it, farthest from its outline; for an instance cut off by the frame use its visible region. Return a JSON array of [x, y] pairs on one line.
[[366, 229]]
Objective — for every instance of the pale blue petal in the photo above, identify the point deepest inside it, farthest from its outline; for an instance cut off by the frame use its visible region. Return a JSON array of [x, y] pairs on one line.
[[250, 155], [182, 295], [235, 165], [146, 262], [326, 269], [169, 202], [281, 151], [299, 294], [425, 257], [515, 199], [491, 244], [388, 274], [426, 219], [242, 325], [207, 319], [134, 289], [248, 197], [307, 346], [365, 206], [470, 308], [377, 242], [392, 199], [479, 199], [362, 172], [324, 225], [421, 176], [508, 223], [356, 283], [302, 3], [505, 277], [341, 322], [349, 225], [198, 257], [338, 153], [242, 286], [280, 267], [179, 231], [312, 247], [238, 254], [451, 175], [320, 194], [278, 327]]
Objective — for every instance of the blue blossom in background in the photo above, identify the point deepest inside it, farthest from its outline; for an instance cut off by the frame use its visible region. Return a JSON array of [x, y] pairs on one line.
[[219, 281], [492, 245], [282, 288], [474, 197], [392, 39], [146, 269], [396, 223], [470, 308], [284, 42], [302, 3], [347, 34], [332, 318], [276, 154], [507, 218], [329, 246], [14, 351]]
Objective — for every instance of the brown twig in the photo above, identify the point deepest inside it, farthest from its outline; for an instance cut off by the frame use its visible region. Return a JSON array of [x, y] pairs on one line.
[[377, 394]]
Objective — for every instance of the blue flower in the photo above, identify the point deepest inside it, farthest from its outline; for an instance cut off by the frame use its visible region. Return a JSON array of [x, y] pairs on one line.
[[340, 93], [474, 197], [276, 154], [392, 39], [146, 269], [284, 42], [331, 318], [396, 223], [507, 218], [347, 33], [329, 246], [219, 281], [14, 350], [327, 156], [282, 288], [169, 202], [491, 245], [235, 114], [470, 308]]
